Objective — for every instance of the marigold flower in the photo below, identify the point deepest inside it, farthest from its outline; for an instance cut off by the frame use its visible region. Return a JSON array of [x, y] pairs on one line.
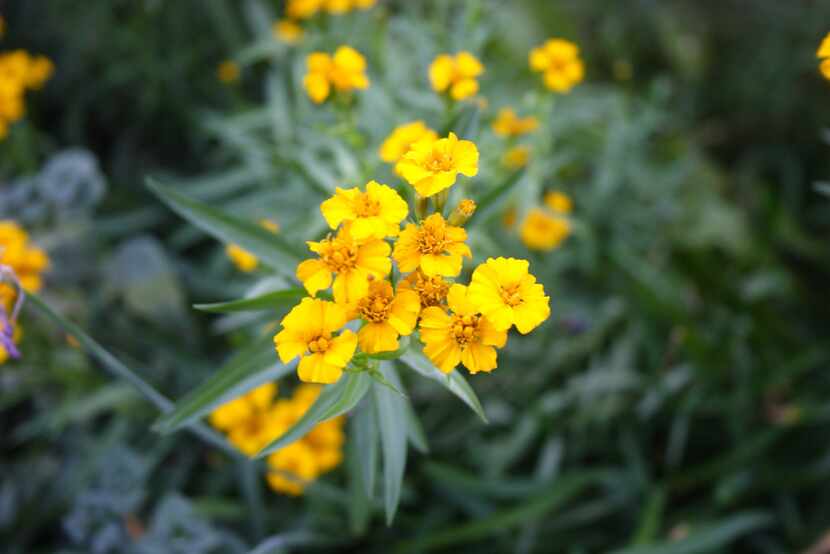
[[508, 295], [464, 336], [308, 332], [558, 60], [433, 245], [302, 9], [290, 468], [456, 73], [351, 261], [516, 157], [228, 72], [18, 72], [28, 262], [345, 71], [388, 315], [543, 231], [462, 212], [402, 138], [245, 419], [559, 202], [432, 291], [508, 124], [824, 48], [376, 213], [433, 165], [288, 31], [241, 258]]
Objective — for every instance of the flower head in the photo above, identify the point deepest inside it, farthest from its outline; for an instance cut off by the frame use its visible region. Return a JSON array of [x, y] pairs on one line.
[[559, 202], [824, 48], [432, 291], [25, 260], [288, 31], [228, 71], [464, 335], [246, 419], [308, 332], [508, 295], [433, 246], [456, 74], [388, 315], [558, 60], [433, 165], [402, 138], [544, 231], [351, 261], [517, 157], [241, 258], [345, 71], [508, 124], [302, 9], [376, 213]]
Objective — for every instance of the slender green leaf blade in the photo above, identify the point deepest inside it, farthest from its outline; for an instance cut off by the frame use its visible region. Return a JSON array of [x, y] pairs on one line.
[[356, 387], [453, 381], [365, 438], [267, 301], [391, 413]]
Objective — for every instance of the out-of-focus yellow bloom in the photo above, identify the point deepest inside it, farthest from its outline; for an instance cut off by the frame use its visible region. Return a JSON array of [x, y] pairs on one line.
[[228, 72], [823, 53], [292, 467], [304, 9], [241, 258], [19, 72], [351, 261], [507, 294], [27, 261], [345, 71], [544, 231], [246, 419], [288, 31], [433, 165], [464, 336], [39, 71], [388, 315], [558, 60], [308, 332], [433, 245], [516, 157], [508, 124], [559, 202], [402, 138], [508, 218], [456, 74], [376, 213], [432, 291]]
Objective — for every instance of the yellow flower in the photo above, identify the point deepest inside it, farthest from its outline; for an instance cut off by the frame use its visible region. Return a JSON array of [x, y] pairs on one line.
[[388, 315], [308, 332], [402, 138], [824, 48], [246, 419], [302, 9], [456, 73], [507, 294], [508, 124], [28, 262], [543, 231], [241, 258], [517, 157], [465, 336], [39, 71], [558, 202], [352, 262], [432, 291], [433, 245], [376, 213], [291, 468], [433, 165], [345, 71], [287, 31], [228, 72], [559, 61], [462, 212]]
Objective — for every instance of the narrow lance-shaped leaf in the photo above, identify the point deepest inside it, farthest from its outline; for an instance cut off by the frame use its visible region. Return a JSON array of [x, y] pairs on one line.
[[391, 414], [266, 301]]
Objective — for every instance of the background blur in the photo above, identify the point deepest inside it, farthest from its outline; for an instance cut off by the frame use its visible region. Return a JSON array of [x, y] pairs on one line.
[[684, 370]]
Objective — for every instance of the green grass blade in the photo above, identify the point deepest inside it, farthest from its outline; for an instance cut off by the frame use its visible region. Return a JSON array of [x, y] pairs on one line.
[[266, 301]]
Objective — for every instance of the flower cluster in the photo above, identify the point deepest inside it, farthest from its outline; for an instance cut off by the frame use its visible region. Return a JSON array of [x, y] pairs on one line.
[[823, 54], [289, 30], [559, 62], [256, 418], [26, 263], [545, 228], [456, 75], [344, 72], [19, 72]]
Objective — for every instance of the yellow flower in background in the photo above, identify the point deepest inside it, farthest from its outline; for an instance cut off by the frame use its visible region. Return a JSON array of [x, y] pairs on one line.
[[559, 62], [464, 336], [516, 157], [351, 262], [376, 213], [302, 9], [388, 315], [508, 218], [228, 72], [308, 332], [433, 246], [19, 72], [27, 261], [402, 138], [246, 419], [433, 165], [305, 9], [456, 74], [543, 231], [291, 468], [241, 258], [559, 202], [287, 31], [432, 291], [345, 71], [39, 71], [823, 53], [825, 68], [507, 294], [508, 124]]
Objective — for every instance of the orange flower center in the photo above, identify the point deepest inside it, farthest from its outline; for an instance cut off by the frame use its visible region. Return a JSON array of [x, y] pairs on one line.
[[439, 161], [431, 238], [375, 307], [510, 295], [364, 206], [339, 256], [432, 290], [465, 329], [320, 345]]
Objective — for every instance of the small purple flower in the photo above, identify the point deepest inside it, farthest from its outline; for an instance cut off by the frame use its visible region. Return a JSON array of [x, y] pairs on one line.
[[7, 335]]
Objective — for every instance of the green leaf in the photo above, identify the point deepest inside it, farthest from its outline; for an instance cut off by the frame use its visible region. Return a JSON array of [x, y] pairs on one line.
[[356, 454], [249, 368], [415, 431], [265, 301], [270, 248], [453, 381], [334, 400], [402, 349], [365, 438], [120, 370], [491, 198], [391, 413]]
